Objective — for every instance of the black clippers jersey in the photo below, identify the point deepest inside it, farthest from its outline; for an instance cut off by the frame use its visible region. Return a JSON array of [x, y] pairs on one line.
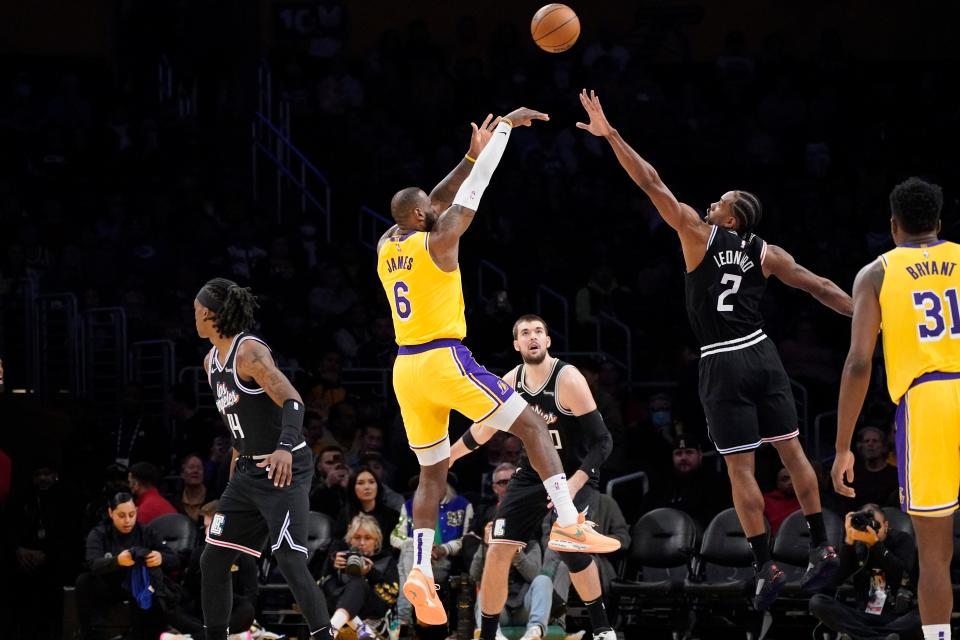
[[564, 429], [725, 290], [253, 418]]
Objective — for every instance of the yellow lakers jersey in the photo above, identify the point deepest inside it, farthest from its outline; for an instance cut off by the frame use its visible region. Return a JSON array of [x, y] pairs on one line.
[[920, 312], [425, 301]]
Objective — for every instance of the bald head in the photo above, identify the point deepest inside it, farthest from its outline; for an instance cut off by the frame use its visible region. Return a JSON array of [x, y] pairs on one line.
[[405, 201]]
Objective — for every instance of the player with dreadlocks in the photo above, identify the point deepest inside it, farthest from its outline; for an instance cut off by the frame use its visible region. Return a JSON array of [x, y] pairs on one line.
[[268, 493], [744, 389]]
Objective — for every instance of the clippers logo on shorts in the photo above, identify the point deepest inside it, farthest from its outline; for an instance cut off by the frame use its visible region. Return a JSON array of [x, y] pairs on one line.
[[498, 526], [216, 527], [226, 398]]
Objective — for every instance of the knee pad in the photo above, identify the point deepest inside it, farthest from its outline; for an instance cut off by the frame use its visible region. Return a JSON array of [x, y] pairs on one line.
[[576, 562]]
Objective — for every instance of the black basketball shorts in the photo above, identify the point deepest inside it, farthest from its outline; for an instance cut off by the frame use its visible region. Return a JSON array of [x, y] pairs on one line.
[[252, 510], [746, 398], [524, 506]]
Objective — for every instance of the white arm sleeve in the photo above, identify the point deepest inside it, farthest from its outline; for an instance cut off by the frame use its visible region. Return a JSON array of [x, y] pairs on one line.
[[468, 196]]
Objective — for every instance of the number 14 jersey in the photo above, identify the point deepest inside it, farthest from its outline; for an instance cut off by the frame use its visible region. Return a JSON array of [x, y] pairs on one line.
[[725, 290], [426, 302], [920, 312]]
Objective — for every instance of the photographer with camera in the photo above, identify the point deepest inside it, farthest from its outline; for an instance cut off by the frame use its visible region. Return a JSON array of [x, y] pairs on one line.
[[124, 560], [360, 577], [883, 565]]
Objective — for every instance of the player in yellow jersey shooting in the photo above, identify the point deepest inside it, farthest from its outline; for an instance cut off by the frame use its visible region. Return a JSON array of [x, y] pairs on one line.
[[418, 264]]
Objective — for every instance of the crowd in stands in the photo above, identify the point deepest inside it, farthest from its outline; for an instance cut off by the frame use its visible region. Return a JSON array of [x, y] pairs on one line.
[[115, 197]]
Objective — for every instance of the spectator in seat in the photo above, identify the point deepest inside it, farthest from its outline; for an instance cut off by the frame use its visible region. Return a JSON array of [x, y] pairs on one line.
[[689, 486], [883, 565], [781, 502], [529, 592], [453, 521], [41, 528], [375, 462], [360, 586], [193, 492], [874, 478], [606, 513], [216, 470], [329, 492], [364, 496], [475, 536], [115, 550], [183, 612], [143, 478]]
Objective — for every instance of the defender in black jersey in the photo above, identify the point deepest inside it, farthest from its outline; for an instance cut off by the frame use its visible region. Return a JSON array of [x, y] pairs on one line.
[[267, 498], [745, 392], [559, 393]]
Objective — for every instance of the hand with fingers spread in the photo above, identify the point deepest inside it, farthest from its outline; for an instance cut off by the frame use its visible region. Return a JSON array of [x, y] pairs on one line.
[[279, 465], [523, 117], [480, 136], [598, 125], [843, 469]]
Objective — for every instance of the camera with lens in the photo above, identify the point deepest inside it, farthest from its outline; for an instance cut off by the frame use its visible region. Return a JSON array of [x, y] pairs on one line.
[[862, 520], [354, 562]]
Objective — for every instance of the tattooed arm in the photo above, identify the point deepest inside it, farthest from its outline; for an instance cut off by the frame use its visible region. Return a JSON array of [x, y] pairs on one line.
[[255, 361]]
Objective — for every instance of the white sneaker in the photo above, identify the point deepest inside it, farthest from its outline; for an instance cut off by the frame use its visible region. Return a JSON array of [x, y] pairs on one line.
[[609, 634], [168, 635], [259, 633], [533, 632]]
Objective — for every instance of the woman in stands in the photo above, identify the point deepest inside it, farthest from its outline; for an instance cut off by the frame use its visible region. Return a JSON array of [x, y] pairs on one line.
[[122, 559], [364, 497], [360, 578]]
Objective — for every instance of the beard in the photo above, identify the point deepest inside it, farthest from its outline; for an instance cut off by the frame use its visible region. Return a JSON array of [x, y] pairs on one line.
[[534, 360]]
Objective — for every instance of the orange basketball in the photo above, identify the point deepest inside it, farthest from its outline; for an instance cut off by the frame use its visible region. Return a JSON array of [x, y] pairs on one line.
[[555, 27]]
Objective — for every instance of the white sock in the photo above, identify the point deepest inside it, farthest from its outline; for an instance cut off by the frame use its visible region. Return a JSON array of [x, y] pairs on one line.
[[936, 632], [338, 619], [355, 623], [422, 547], [559, 493]]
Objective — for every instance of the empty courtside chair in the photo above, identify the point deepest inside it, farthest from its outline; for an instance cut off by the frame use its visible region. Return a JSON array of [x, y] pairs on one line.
[[899, 520], [178, 532], [791, 547], [662, 545], [725, 569]]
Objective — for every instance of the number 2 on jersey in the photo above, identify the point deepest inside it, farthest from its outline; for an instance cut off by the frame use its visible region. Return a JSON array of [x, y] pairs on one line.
[[934, 325], [728, 278], [401, 304]]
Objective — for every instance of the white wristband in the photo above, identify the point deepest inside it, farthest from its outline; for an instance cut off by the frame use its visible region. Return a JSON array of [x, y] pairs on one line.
[[470, 192]]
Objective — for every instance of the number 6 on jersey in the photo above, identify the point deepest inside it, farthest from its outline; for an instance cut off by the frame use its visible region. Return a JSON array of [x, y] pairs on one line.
[[401, 304]]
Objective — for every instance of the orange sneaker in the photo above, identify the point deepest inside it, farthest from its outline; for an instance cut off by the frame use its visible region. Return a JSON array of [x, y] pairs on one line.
[[422, 594], [581, 538]]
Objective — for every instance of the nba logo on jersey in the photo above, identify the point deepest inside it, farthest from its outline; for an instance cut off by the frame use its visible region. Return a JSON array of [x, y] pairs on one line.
[[498, 526], [216, 527]]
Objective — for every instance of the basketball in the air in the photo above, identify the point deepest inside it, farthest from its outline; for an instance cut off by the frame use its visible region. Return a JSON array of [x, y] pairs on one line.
[[555, 27]]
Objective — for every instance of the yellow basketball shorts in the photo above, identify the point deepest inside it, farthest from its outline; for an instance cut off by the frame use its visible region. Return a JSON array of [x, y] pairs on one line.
[[928, 445], [434, 378]]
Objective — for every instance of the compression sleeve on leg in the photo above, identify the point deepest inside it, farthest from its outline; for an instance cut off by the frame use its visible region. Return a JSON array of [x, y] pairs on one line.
[[468, 196]]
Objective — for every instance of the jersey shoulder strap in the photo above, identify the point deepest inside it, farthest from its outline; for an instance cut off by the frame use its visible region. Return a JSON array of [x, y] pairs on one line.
[[561, 367]]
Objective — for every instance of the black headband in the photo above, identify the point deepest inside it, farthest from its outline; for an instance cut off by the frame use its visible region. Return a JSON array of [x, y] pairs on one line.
[[205, 298]]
